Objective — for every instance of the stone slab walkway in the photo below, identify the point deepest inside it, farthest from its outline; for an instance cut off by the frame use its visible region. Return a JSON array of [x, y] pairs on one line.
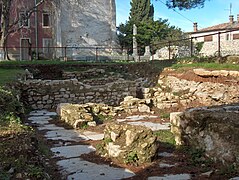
[[68, 158], [141, 120], [70, 144]]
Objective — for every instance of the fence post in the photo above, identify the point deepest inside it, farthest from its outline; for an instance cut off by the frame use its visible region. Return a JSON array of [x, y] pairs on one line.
[[65, 58], [219, 44], [191, 47], [169, 50], [96, 54]]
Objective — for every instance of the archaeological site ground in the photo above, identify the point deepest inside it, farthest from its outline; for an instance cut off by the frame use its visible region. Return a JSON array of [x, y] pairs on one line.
[[169, 119]]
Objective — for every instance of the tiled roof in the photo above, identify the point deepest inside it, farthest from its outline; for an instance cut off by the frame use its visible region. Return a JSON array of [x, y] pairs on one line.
[[223, 26]]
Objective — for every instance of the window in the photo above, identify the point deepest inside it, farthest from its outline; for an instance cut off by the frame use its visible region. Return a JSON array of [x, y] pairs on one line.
[[24, 20], [46, 21], [208, 38], [235, 36], [227, 37]]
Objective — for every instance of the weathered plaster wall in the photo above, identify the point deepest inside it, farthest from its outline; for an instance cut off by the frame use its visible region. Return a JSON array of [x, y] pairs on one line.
[[85, 23]]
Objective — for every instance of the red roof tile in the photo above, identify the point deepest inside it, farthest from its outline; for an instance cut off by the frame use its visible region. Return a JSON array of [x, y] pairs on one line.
[[223, 26]]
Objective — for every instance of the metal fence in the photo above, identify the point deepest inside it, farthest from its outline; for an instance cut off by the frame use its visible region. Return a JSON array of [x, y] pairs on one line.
[[210, 44]]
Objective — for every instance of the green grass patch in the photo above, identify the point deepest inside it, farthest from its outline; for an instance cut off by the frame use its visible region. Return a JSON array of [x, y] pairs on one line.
[[165, 136], [56, 62], [165, 115], [9, 75], [210, 66]]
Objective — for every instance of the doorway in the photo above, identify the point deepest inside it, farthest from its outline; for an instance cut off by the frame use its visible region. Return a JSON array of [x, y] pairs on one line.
[[25, 49]]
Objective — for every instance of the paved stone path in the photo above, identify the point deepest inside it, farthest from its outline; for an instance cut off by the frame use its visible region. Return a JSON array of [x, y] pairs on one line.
[[68, 155], [68, 148]]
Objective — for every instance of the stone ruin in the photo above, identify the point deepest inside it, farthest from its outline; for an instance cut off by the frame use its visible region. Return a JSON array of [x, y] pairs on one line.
[[91, 114], [129, 144], [213, 129]]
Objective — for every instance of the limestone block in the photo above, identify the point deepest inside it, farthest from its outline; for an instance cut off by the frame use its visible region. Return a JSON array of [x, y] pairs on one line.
[[214, 130], [234, 73], [91, 123], [143, 108], [128, 141]]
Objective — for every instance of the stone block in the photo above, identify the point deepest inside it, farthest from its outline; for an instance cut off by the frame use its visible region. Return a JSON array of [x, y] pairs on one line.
[[125, 141], [214, 130]]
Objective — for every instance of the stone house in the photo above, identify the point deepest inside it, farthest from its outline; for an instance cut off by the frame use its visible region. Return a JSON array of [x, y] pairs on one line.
[[223, 37], [62, 28]]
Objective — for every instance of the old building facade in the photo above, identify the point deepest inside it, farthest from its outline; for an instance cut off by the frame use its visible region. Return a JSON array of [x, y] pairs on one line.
[[59, 28], [222, 37]]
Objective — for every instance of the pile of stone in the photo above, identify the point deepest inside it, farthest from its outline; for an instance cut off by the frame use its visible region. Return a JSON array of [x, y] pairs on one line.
[[133, 105], [129, 144], [173, 92], [79, 115]]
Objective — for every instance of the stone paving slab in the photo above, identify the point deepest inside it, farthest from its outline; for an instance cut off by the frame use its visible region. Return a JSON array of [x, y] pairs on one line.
[[50, 127], [93, 135], [171, 177], [165, 154], [235, 178], [165, 165], [40, 120], [42, 113], [66, 135], [152, 126], [72, 151], [137, 118], [76, 168]]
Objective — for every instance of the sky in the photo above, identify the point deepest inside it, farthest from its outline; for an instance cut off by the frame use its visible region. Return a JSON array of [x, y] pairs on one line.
[[214, 12]]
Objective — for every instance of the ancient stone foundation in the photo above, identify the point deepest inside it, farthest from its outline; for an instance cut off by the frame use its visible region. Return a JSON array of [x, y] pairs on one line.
[[173, 92], [215, 130], [47, 94]]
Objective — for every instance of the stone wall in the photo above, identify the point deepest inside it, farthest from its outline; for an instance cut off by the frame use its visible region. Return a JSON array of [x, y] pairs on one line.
[[47, 94], [227, 48], [176, 52], [215, 130]]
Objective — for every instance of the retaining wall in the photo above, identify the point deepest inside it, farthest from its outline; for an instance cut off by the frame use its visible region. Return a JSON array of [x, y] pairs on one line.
[[47, 94]]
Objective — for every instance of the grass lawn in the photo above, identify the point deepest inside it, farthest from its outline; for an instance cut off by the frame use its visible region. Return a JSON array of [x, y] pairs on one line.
[[9, 75], [210, 66]]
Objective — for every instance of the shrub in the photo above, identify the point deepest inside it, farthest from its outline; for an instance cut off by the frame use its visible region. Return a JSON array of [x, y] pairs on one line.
[[10, 106]]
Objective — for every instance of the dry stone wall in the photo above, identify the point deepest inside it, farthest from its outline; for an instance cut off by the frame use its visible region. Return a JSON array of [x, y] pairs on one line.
[[227, 48], [48, 94]]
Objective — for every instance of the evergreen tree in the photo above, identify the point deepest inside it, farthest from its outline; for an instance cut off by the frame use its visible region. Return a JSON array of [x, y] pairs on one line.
[[141, 11]]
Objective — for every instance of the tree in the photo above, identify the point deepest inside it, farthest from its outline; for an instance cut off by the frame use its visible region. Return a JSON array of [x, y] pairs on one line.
[[141, 11], [9, 26], [185, 4]]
